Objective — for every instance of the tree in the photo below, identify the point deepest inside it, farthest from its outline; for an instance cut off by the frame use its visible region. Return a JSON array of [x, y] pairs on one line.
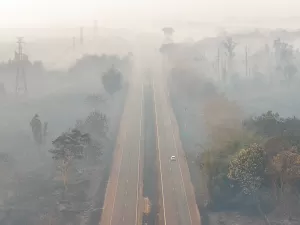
[[284, 56], [268, 124], [112, 80], [67, 147], [271, 124], [247, 167], [95, 124], [284, 171], [286, 166], [229, 46]]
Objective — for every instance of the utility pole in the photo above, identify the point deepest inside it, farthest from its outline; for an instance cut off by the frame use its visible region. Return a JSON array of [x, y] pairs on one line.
[[218, 63], [246, 60], [81, 35], [21, 83]]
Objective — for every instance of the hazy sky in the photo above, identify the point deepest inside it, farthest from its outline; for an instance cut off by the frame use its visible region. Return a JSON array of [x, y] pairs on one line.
[[39, 13]]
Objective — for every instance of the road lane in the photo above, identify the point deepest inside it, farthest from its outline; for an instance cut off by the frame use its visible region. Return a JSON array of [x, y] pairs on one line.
[[168, 198], [183, 211], [123, 193], [179, 203], [188, 187]]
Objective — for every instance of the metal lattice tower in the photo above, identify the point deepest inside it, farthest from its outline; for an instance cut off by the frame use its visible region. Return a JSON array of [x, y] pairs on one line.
[[20, 59]]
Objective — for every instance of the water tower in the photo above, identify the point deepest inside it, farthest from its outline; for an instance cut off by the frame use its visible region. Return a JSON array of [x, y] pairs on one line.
[[168, 32]]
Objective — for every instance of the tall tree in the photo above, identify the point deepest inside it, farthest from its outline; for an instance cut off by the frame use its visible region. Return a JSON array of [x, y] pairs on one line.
[[67, 147], [247, 167], [229, 46], [284, 57], [284, 171], [112, 80], [286, 166], [96, 124]]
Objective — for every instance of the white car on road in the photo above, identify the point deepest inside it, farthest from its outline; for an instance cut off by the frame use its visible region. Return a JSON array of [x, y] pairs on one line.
[[173, 158]]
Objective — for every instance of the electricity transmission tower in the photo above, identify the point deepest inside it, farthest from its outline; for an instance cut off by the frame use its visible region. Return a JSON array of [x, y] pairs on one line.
[[20, 57]]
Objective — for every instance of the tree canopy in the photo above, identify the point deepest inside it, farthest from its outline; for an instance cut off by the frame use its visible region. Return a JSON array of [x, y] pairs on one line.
[[229, 46], [112, 80], [70, 145], [67, 147], [247, 168], [96, 125]]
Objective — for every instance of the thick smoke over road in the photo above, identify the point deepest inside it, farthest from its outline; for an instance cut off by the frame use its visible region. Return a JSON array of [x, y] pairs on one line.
[[152, 126]]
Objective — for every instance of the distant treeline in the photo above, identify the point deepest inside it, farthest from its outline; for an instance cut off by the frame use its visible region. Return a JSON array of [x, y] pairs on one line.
[[87, 65]]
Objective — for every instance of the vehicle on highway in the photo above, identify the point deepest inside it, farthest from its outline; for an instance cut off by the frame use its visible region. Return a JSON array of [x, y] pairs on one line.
[[173, 158]]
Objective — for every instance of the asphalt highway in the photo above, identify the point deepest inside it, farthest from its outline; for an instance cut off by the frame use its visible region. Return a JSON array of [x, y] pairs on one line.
[[123, 199], [178, 199]]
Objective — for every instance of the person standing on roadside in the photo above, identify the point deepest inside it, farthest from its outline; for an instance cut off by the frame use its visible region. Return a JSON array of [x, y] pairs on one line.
[[36, 127]]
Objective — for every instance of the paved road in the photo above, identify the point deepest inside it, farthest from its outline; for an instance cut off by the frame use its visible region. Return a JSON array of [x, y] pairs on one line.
[[178, 198], [123, 194]]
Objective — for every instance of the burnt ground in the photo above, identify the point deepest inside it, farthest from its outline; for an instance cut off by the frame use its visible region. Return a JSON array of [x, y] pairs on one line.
[[36, 195]]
